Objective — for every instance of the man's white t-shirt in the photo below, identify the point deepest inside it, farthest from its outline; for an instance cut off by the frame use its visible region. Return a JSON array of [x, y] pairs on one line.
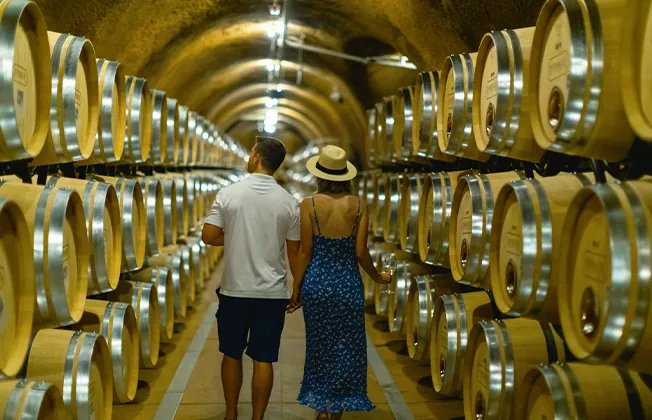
[[257, 216]]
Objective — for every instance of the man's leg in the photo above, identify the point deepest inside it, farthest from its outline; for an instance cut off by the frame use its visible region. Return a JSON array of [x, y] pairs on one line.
[[231, 383], [264, 342], [261, 388], [232, 328]]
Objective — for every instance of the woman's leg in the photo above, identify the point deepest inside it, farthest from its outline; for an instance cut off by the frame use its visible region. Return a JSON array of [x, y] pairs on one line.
[[322, 416]]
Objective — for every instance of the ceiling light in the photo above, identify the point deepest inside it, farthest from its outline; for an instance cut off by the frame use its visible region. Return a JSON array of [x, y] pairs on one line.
[[271, 129], [274, 9]]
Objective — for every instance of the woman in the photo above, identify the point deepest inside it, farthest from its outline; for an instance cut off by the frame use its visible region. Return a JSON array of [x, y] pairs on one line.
[[329, 286]]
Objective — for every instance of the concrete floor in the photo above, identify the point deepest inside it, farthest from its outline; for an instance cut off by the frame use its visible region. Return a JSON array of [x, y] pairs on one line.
[[203, 398]]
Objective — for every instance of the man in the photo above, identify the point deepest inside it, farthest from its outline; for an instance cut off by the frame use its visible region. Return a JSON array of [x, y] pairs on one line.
[[255, 220]]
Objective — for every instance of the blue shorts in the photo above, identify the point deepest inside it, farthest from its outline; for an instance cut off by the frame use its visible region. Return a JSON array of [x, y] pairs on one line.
[[252, 324]]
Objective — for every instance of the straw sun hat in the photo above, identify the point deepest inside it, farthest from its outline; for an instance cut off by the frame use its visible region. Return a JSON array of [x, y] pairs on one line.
[[332, 165]]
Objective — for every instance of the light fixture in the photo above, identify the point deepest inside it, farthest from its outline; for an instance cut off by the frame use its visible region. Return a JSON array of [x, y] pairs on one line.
[[271, 129], [275, 29], [271, 102], [274, 9], [271, 117]]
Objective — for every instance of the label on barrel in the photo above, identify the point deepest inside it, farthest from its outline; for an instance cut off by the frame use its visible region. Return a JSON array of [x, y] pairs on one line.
[[513, 243], [492, 87], [466, 224], [20, 75], [558, 66], [594, 266]]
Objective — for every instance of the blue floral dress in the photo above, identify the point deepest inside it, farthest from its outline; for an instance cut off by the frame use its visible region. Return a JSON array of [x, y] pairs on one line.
[[335, 371]]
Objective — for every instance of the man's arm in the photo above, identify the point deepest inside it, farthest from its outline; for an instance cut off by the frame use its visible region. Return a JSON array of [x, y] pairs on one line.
[[213, 231], [293, 258], [212, 235]]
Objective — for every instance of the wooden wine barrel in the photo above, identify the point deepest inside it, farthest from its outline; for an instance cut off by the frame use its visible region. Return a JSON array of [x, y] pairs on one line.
[[201, 135], [17, 292], [161, 277], [435, 206], [379, 135], [192, 194], [25, 114], [173, 149], [581, 391], [104, 228], [402, 132], [23, 399], [198, 262], [408, 212], [111, 122], [205, 253], [390, 208], [470, 225], [634, 74], [576, 95], [388, 130], [156, 214], [143, 297], [74, 108], [603, 275], [399, 288], [425, 143], [527, 228], [158, 151], [193, 140], [420, 307], [183, 214], [116, 322], [184, 135], [180, 281], [453, 318], [138, 137], [190, 270], [381, 291], [55, 218], [499, 354], [501, 114], [371, 134], [455, 102], [377, 210], [369, 197], [134, 221], [170, 216], [79, 364]]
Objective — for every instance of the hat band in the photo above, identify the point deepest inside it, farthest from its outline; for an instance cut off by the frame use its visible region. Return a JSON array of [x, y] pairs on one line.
[[342, 171]]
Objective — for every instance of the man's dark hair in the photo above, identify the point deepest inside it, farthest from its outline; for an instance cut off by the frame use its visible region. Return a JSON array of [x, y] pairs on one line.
[[325, 186], [271, 151]]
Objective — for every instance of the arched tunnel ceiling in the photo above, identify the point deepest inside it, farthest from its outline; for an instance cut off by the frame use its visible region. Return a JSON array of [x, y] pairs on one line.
[[212, 54]]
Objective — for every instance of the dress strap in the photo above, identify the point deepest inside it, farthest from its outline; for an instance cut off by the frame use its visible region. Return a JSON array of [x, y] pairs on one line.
[[314, 209], [357, 218]]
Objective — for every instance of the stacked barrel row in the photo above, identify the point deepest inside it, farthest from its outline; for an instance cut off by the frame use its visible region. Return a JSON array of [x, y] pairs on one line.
[[542, 270], [93, 275], [572, 84], [65, 105], [528, 295]]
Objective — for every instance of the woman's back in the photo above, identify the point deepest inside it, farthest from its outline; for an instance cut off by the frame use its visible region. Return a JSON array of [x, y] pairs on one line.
[[335, 216]]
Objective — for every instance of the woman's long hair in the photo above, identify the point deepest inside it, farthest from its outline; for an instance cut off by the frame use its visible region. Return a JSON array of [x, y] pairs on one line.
[[325, 186]]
